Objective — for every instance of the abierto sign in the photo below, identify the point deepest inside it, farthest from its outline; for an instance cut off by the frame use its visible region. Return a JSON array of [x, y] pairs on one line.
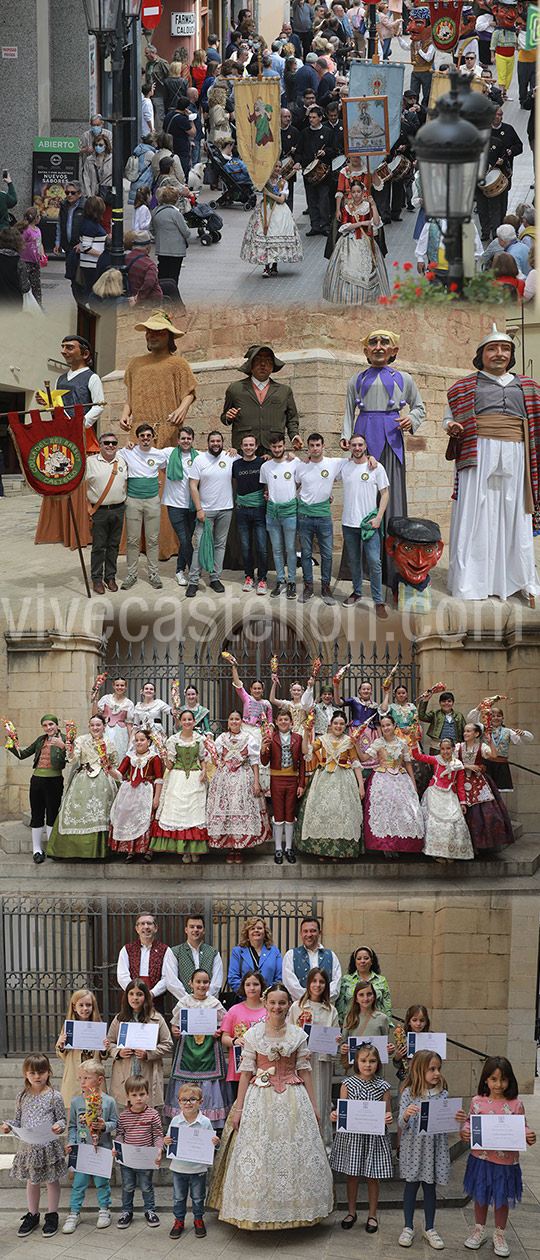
[[183, 24]]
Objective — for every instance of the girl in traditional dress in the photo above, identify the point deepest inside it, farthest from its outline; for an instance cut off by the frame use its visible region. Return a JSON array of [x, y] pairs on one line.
[[199, 1057], [81, 829], [299, 705], [138, 798], [117, 709], [363, 1154], [201, 716], [363, 1018], [137, 1006], [486, 816], [422, 1157], [256, 712], [356, 273], [150, 712], [331, 825], [240, 1017], [405, 715], [39, 1104], [315, 1008], [82, 1006], [393, 819], [502, 736], [180, 824], [236, 814], [271, 235], [443, 806], [278, 1176]]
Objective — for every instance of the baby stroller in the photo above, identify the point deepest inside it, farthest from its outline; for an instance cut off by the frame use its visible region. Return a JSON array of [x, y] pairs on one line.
[[235, 190], [205, 221]]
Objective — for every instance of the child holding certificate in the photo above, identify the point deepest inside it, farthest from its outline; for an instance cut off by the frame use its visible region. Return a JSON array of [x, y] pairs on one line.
[[39, 1105], [363, 1018], [423, 1157], [315, 1008], [199, 1057], [240, 1017], [494, 1176], [138, 1125], [138, 1008], [363, 1154], [92, 1122], [82, 1007], [189, 1175]]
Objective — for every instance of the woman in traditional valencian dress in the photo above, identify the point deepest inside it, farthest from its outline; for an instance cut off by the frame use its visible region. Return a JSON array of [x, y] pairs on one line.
[[331, 823], [356, 272], [486, 817], [393, 819], [405, 715], [315, 1007], [236, 815], [81, 829], [271, 235], [150, 712], [138, 798], [443, 806], [180, 825], [117, 709], [256, 715]]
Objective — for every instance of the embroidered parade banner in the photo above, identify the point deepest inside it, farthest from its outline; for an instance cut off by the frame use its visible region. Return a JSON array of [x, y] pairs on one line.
[[445, 20], [50, 449], [369, 80], [257, 105]]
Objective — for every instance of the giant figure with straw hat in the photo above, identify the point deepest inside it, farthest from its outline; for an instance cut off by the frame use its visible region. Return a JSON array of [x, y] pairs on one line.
[[493, 420]]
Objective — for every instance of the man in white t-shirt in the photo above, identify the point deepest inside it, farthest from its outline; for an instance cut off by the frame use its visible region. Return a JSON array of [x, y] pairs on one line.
[[365, 499], [142, 505], [210, 486], [177, 499], [277, 476], [316, 478]]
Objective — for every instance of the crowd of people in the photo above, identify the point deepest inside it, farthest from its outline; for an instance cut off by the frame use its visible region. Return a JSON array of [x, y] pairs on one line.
[[251, 1081]]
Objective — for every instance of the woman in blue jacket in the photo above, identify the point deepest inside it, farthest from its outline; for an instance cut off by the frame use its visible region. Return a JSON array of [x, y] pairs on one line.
[[255, 951]]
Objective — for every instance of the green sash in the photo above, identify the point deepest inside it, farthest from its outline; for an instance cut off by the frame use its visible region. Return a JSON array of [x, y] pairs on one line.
[[276, 510], [142, 487], [175, 468], [314, 509], [255, 499]]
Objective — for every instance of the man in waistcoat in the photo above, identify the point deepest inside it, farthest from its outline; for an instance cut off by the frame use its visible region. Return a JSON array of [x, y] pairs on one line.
[[493, 418], [145, 959], [183, 960], [298, 962]]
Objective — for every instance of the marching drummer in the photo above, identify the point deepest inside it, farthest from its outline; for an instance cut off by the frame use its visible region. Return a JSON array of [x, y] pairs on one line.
[[316, 151], [505, 145]]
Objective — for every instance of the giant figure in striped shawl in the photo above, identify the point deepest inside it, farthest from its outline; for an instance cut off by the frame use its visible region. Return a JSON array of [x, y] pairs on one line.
[[493, 420]]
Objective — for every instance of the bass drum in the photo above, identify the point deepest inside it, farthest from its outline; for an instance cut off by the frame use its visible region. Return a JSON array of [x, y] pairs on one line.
[[316, 171], [494, 184]]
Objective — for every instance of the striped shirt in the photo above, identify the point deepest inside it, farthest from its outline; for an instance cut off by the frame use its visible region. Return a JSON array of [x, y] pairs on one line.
[[141, 1128]]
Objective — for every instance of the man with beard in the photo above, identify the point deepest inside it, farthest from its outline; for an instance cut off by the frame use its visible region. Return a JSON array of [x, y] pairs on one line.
[[493, 419], [210, 486], [375, 401]]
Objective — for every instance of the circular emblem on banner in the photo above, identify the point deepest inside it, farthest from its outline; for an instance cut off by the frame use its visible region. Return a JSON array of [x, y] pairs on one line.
[[287, 476], [222, 464], [445, 32], [54, 463], [150, 463], [324, 472]]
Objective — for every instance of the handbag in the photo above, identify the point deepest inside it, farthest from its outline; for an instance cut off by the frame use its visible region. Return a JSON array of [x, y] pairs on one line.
[[453, 449], [106, 193]]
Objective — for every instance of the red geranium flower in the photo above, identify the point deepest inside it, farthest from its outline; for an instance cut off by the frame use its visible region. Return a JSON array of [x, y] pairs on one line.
[[384, 301], [407, 266], [453, 288], [418, 291], [430, 275], [395, 264]]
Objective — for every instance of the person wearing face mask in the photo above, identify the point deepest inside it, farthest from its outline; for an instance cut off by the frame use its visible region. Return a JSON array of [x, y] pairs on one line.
[[97, 128], [98, 176]]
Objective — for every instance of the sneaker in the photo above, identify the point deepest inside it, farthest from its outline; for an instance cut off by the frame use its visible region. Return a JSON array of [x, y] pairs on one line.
[[217, 586], [151, 1219], [477, 1238], [249, 584], [326, 595], [277, 589], [156, 582], [406, 1237], [50, 1225], [124, 1221], [432, 1237], [291, 590], [28, 1224], [70, 1223], [126, 586], [104, 1219], [262, 588], [500, 1245], [191, 590], [200, 1229], [177, 1230], [181, 579], [306, 593]]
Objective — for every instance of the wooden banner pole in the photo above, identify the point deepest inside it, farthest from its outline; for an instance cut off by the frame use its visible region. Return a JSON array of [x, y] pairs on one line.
[[79, 548]]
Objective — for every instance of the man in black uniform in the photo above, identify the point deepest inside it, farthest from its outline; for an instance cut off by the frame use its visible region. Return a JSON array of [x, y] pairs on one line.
[[289, 144], [505, 145], [317, 142]]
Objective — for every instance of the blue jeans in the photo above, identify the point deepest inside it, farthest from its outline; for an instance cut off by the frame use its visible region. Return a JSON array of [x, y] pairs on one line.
[[386, 48], [195, 1183], [283, 531], [372, 547], [81, 1182], [251, 520], [183, 523], [321, 528], [143, 1177]]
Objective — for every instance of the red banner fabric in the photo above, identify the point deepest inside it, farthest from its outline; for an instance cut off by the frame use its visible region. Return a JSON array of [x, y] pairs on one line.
[[445, 19], [50, 449]]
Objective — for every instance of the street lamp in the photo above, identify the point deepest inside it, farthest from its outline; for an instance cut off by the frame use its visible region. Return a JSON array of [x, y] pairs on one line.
[[372, 31], [101, 17], [449, 149], [477, 109]]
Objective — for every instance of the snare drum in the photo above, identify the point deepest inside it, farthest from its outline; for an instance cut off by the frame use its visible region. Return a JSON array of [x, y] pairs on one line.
[[494, 184], [316, 171], [400, 167], [287, 166], [383, 173]]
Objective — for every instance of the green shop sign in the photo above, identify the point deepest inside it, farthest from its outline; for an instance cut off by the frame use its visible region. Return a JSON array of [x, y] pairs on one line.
[[55, 144]]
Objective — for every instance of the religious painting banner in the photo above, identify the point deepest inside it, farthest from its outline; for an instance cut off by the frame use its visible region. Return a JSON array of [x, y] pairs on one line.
[[370, 80], [445, 19], [50, 449], [365, 121], [257, 106]]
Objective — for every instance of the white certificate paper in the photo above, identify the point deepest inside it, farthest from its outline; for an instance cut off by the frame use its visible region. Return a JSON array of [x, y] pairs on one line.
[[438, 1115], [97, 1161], [37, 1136], [200, 1020], [361, 1116], [380, 1043], [321, 1039], [193, 1144], [84, 1034], [237, 1052], [134, 1036], [136, 1156], [498, 1133], [426, 1041]]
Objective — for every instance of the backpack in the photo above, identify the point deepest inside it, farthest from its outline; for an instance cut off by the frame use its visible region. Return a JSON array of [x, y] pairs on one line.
[[131, 169]]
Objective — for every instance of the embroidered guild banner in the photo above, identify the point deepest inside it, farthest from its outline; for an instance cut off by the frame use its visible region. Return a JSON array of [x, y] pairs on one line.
[[445, 19], [257, 107], [50, 450]]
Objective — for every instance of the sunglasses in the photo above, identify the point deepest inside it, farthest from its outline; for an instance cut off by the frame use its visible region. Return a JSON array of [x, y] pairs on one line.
[[70, 192], [109, 443]]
